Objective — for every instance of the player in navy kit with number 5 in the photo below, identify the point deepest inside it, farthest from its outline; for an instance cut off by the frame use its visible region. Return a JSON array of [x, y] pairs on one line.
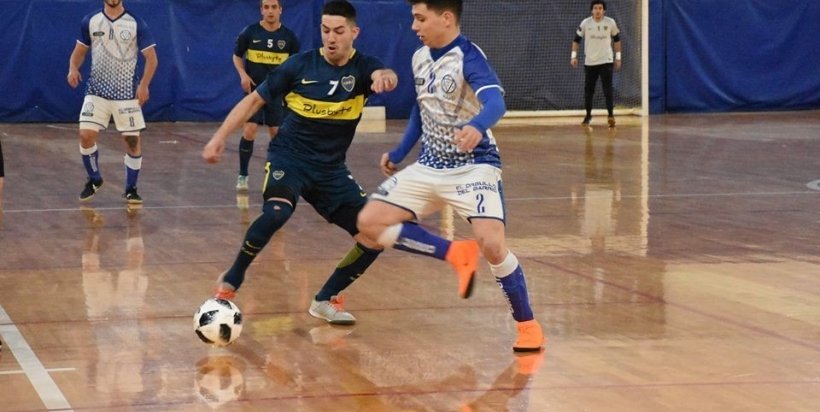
[[325, 91], [260, 48]]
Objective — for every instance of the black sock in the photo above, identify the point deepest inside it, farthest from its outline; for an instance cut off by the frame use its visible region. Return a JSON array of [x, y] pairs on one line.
[[349, 269], [245, 153]]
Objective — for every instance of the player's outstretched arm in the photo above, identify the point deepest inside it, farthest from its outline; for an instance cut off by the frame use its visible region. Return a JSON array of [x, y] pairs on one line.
[[74, 63], [384, 80], [238, 116]]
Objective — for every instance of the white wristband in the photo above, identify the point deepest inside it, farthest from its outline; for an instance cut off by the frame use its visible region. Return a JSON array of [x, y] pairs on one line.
[[617, 55], [574, 55]]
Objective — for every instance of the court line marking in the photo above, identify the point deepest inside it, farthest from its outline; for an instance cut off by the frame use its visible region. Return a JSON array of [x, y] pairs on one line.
[[514, 199], [46, 388], [18, 372]]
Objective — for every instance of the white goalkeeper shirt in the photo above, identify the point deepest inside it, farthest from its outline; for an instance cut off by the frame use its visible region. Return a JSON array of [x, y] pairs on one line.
[[115, 46], [597, 37]]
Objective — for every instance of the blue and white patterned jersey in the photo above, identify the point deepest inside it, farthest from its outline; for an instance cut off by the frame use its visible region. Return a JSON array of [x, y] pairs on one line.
[[448, 81], [115, 46]]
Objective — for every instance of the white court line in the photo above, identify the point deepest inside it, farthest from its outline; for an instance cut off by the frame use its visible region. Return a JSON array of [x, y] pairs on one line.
[[508, 199], [48, 391], [18, 372], [74, 209], [673, 195], [62, 127]]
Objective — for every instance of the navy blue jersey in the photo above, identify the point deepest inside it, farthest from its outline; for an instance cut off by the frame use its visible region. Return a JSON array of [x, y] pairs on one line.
[[264, 50], [324, 104]]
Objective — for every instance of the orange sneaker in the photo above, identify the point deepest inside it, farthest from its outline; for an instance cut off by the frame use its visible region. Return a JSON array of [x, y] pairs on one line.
[[223, 289], [224, 292], [530, 337], [611, 121], [463, 256]]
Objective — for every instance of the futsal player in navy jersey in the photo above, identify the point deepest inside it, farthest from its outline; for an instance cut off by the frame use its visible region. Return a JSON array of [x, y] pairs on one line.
[[260, 48], [459, 97], [325, 92], [116, 37]]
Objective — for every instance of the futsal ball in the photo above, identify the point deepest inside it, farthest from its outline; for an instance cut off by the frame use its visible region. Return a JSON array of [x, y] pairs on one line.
[[218, 322]]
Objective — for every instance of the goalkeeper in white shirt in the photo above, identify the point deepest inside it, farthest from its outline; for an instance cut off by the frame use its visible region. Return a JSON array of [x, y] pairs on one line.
[[601, 36]]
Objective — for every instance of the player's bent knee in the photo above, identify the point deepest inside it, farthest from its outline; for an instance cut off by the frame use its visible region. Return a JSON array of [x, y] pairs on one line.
[[274, 215], [280, 192], [88, 137], [494, 250], [366, 223]]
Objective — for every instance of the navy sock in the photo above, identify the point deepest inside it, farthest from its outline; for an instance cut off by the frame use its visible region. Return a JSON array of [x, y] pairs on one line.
[[348, 270], [132, 170], [274, 215], [515, 290], [91, 166], [414, 239], [245, 153]]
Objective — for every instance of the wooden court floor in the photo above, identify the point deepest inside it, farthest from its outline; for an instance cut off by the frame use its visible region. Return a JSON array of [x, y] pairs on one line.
[[674, 264]]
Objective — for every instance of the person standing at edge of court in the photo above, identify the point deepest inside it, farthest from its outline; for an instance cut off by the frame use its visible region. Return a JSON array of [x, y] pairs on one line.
[[601, 35], [260, 48], [116, 37]]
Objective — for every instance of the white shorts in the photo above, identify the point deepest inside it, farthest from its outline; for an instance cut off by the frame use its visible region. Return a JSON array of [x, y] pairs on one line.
[[97, 112], [472, 190]]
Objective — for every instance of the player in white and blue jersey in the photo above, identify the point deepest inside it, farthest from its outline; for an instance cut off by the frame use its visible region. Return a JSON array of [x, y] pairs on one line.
[[325, 92], [459, 97], [116, 38]]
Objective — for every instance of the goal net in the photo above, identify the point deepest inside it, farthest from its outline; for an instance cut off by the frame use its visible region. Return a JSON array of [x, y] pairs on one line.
[[528, 42]]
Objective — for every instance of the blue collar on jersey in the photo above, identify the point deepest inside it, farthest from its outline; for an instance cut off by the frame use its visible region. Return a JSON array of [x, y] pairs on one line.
[[437, 53]]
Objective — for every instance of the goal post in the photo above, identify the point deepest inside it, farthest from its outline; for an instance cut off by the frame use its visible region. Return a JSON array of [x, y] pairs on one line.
[[528, 43]]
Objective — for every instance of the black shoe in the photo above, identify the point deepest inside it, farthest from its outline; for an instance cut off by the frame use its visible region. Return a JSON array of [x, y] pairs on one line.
[[131, 196], [91, 188], [587, 119]]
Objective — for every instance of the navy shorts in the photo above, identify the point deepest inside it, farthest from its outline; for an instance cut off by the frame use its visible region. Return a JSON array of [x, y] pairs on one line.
[[331, 190], [269, 115]]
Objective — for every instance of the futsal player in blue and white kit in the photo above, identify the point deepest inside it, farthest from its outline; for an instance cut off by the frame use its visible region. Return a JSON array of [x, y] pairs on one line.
[[459, 97], [116, 38], [325, 91]]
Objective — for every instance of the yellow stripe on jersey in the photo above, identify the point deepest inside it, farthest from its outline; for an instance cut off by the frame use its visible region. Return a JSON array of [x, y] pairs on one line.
[[350, 109], [266, 57]]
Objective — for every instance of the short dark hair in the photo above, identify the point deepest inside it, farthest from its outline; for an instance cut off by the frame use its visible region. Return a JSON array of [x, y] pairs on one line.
[[340, 8], [440, 6], [594, 2]]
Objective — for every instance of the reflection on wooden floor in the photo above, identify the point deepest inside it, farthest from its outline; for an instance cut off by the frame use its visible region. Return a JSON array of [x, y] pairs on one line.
[[672, 262]]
